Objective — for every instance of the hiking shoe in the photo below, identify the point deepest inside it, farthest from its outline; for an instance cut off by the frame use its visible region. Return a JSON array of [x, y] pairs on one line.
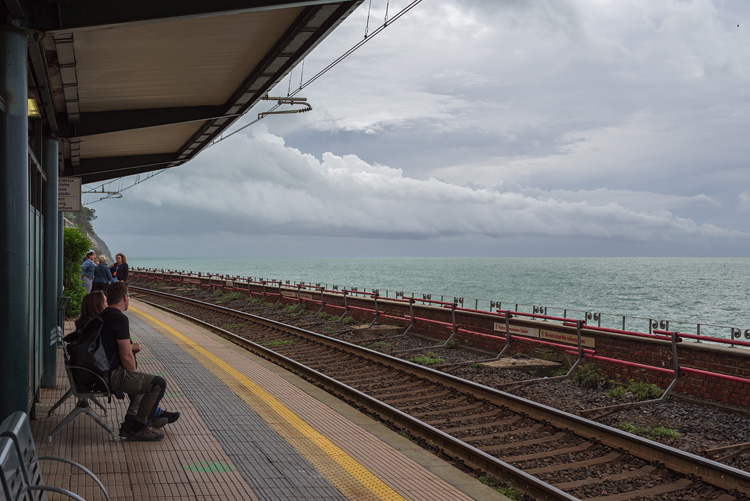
[[124, 430], [126, 426], [158, 422], [171, 416], [148, 434]]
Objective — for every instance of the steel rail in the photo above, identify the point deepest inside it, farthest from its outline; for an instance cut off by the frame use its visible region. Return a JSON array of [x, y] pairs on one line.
[[712, 472], [453, 447]]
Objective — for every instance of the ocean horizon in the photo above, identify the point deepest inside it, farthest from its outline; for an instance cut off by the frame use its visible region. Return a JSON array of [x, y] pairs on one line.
[[685, 291]]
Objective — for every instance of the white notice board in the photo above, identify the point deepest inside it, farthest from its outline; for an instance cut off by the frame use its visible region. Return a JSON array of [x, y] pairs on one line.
[[69, 194]]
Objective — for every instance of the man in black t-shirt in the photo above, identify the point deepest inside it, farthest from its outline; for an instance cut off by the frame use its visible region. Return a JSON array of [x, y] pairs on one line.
[[123, 376]]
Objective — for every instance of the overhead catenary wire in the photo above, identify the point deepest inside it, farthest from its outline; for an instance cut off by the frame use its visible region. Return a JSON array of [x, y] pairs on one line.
[[301, 87]]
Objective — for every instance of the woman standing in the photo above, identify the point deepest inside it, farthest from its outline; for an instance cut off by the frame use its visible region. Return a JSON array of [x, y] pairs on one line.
[[120, 268], [87, 270], [102, 276]]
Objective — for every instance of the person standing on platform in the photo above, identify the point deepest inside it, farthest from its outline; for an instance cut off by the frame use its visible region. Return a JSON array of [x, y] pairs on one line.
[[87, 270], [119, 269], [102, 275], [123, 376]]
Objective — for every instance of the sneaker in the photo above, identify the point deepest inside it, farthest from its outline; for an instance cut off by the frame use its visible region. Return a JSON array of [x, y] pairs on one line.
[[171, 416], [158, 422], [148, 434]]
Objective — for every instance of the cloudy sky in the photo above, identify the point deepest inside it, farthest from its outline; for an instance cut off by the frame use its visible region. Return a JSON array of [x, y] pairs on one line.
[[481, 128]]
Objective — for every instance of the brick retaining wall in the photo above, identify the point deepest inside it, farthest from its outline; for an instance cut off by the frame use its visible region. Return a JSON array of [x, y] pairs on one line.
[[488, 335]]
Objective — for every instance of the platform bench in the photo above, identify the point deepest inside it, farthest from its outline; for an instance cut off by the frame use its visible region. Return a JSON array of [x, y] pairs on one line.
[[22, 474]]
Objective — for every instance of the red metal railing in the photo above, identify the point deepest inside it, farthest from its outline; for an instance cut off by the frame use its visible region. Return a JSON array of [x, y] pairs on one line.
[[212, 281]]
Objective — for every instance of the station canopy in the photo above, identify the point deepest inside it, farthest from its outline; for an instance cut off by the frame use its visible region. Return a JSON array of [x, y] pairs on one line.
[[132, 87]]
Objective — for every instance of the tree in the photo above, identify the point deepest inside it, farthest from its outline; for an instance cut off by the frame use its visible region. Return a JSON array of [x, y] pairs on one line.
[[76, 247], [82, 219]]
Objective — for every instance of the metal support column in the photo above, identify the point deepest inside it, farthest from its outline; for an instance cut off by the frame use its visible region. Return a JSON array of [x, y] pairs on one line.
[[50, 330], [14, 225]]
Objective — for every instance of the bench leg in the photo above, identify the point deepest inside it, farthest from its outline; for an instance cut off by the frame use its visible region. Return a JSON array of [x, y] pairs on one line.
[[60, 402], [81, 408], [97, 402]]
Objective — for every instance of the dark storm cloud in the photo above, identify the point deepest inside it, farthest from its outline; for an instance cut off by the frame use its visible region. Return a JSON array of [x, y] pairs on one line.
[[610, 126]]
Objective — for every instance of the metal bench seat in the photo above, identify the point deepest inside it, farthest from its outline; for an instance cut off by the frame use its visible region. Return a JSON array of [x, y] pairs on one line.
[[22, 475], [86, 386]]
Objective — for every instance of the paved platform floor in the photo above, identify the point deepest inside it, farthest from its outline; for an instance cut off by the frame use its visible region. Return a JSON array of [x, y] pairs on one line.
[[248, 430]]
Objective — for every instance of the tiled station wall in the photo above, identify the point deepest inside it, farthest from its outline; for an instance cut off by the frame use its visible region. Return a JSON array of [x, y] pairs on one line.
[[488, 335]]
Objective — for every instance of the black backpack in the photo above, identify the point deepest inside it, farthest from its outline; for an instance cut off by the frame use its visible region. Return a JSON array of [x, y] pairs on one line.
[[86, 348]]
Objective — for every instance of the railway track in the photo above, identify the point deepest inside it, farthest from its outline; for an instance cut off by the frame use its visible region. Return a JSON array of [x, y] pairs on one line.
[[545, 452]]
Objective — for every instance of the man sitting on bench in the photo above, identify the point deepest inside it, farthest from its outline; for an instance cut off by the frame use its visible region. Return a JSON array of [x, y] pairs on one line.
[[123, 377]]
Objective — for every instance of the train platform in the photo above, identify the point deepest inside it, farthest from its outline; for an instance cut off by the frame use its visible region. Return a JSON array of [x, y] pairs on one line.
[[248, 430]]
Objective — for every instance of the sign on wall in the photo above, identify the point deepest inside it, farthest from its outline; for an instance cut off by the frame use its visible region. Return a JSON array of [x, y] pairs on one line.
[[69, 194]]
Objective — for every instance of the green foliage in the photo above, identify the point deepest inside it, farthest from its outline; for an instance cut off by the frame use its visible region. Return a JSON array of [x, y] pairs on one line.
[[347, 321], [82, 219], [231, 296], [657, 431], [381, 344], [430, 359], [660, 431], [451, 344], [76, 244], [588, 376], [508, 490], [639, 390], [561, 371]]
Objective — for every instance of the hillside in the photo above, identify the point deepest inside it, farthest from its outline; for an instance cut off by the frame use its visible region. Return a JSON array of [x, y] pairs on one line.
[[82, 221]]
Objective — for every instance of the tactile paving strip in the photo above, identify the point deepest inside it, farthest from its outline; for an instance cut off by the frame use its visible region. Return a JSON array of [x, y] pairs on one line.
[[270, 465]]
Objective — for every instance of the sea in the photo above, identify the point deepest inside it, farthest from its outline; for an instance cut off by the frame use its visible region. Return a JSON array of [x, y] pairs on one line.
[[707, 296]]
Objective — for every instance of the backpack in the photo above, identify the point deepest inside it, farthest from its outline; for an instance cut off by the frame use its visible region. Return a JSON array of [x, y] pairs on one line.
[[86, 349]]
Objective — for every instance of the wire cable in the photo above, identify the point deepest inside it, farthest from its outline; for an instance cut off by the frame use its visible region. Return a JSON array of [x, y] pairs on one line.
[[302, 86]]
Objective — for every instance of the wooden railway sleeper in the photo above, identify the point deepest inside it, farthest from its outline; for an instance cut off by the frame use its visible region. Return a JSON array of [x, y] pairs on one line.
[[471, 428], [400, 396], [497, 448], [448, 403], [575, 465], [500, 434], [644, 470]]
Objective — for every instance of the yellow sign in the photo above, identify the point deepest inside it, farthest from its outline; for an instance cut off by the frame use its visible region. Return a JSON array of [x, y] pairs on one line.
[[69, 194], [567, 338]]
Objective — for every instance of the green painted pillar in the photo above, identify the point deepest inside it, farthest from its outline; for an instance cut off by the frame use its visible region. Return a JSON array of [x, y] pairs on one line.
[[15, 363], [60, 261], [50, 329]]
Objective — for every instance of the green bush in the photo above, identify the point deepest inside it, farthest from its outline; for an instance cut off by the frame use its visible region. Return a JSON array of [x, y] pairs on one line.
[[430, 359], [347, 321], [75, 247], [588, 376], [508, 489], [654, 432], [639, 390]]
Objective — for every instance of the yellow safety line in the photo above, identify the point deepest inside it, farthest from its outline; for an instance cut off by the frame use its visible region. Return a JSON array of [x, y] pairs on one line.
[[354, 468]]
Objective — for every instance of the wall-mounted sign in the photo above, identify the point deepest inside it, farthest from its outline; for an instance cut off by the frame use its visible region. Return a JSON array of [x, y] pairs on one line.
[[517, 329], [69, 194], [567, 338]]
